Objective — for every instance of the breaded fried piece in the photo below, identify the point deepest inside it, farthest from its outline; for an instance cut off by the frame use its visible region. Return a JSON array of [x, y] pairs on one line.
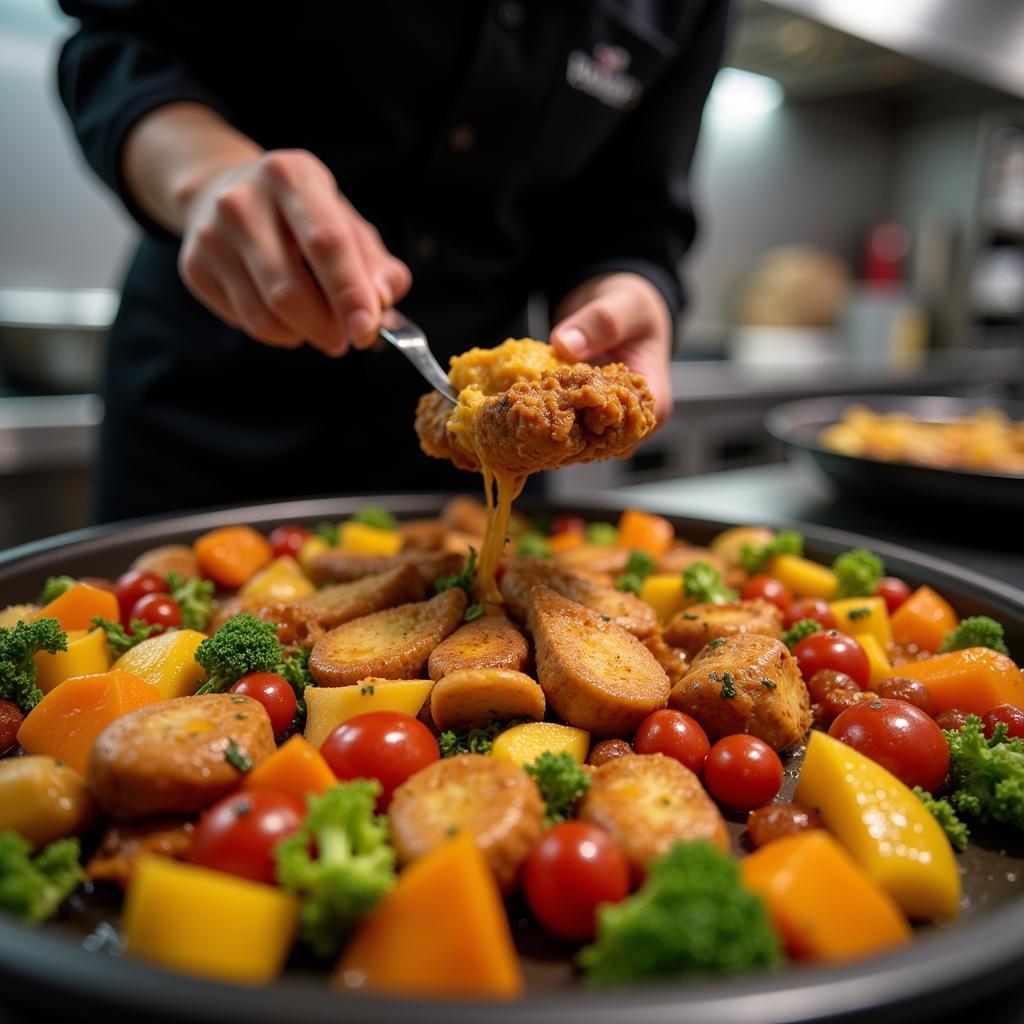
[[179, 558], [178, 756], [523, 573], [603, 560], [392, 644], [649, 802], [340, 566], [594, 674], [472, 697], [493, 800], [303, 622], [699, 624], [769, 699], [570, 414], [681, 556], [123, 845], [423, 534], [488, 642], [462, 513], [671, 659]]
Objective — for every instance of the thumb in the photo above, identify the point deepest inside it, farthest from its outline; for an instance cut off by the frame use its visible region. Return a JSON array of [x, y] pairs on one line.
[[600, 325]]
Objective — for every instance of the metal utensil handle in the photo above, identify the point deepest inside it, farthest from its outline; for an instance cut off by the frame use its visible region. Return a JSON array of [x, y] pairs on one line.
[[412, 343]]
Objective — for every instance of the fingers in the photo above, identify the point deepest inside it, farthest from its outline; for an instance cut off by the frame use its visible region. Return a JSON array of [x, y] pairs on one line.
[[606, 321], [390, 276], [326, 234]]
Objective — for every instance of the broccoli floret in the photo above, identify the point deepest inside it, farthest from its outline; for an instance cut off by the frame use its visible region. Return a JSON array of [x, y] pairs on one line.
[[33, 890], [986, 776], [691, 916], [352, 868], [194, 597], [531, 543], [639, 566], [327, 531], [858, 572], [561, 781], [18, 646], [801, 628], [119, 639], [374, 515], [242, 645], [464, 580], [703, 582], [604, 534], [976, 631], [942, 810], [54, 587], [754, 558], [474, 741]]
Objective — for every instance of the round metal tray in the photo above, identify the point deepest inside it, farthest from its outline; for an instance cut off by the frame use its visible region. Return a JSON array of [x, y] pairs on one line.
[[49, 972], [798, 426]]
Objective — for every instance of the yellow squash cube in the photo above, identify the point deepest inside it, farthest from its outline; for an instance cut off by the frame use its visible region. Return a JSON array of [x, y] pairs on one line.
[[328, 706], [804, 577], [858, 615], [878, 661], [197, 921], [525, 743], [87, 654], [282, 580], [166, 661], [664, 593], [889, 832], [369, 540]]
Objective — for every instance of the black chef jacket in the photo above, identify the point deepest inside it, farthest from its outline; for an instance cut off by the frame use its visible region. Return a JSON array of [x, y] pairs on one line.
[[501, 149]]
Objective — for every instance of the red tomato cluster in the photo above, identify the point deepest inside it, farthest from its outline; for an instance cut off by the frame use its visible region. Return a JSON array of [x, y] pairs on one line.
[[143, 595]]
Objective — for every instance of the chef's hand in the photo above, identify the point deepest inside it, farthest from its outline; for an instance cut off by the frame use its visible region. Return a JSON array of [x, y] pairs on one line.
[[274, 248], [619, 318], [268, 242]]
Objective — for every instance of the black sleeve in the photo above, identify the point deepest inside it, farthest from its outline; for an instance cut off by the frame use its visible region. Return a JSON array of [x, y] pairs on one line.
[[125, 59], [631, 209]]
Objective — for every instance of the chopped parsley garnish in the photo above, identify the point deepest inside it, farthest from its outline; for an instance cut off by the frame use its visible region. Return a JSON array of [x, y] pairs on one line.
[[238, 760], [728, 688]]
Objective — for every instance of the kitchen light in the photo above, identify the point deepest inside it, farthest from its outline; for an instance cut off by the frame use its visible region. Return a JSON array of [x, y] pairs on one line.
[[742, 95]]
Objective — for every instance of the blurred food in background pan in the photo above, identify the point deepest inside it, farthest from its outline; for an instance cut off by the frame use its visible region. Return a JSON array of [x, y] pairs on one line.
[[904, 450]]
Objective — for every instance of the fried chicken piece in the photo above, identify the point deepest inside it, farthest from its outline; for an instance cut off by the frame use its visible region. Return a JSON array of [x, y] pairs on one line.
[[671, 659], [571, 414], [699, 624], [746, 683], [337, 565], [524, 572], [124, 844]]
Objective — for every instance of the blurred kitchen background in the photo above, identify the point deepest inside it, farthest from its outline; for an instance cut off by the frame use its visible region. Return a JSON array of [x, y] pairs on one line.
[[860, 182]]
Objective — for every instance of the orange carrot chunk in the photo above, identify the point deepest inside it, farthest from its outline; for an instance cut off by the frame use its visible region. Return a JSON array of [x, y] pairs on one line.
[[296, 768], [923, 619], [642, 531], [66, 722], [232, 555], [75, 608], [447, 909], [973, 680], [823, 904]]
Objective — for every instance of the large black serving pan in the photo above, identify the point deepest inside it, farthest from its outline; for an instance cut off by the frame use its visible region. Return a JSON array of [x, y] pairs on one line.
[[798, 426], [49, 974]]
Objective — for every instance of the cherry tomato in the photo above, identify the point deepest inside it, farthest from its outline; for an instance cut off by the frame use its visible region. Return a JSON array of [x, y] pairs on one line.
[[742, 772], [776, 821], [572, 869], [769, 588], [608, 750], [825, 680], [951, 718], [674, 734], [810, 608], [287, 539], [384, 745], [274, 693], [10, 722], [913, 691], [238, 834], [133, 585], [893, 591], [1010, 715], [566, 523], [900, 737], [833, 650], [157, 610], [837, 701]]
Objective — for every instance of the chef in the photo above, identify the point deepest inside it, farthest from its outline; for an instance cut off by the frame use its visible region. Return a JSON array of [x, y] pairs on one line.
[[298, 168]]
